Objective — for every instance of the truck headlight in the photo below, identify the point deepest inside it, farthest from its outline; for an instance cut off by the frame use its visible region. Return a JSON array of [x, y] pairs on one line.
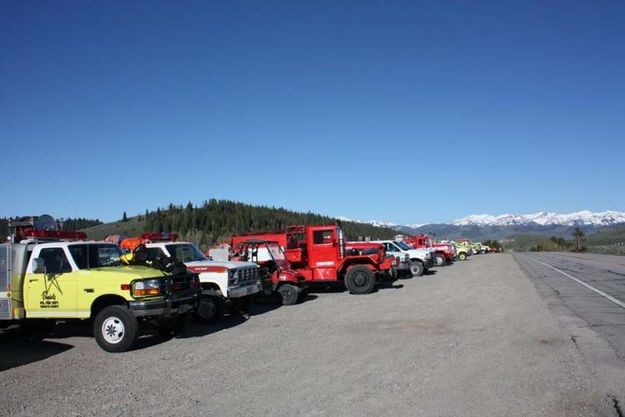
[[232, 277], [428, 256], [146, 288]]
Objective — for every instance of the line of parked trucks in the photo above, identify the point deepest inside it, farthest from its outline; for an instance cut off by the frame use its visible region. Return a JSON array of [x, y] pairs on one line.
[[125, 285]]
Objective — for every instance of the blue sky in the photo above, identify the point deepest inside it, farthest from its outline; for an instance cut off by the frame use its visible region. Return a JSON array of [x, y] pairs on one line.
[[404, 111]]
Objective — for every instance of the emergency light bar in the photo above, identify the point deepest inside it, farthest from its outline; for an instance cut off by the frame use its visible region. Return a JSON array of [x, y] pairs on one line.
[[53, 234], [155, 236]]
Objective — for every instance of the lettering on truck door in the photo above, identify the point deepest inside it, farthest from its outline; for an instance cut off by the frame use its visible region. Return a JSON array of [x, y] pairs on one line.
[[53, 292]]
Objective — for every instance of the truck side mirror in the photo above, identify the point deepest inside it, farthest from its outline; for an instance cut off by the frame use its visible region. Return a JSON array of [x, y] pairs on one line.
[[39, 266]]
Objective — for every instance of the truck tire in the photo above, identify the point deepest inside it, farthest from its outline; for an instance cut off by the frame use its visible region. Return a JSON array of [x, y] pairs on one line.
[[462, 256], [416, 268], [394, 274], [115, 328], [289, 294], [359, 280], [440, 259], [210, 308]]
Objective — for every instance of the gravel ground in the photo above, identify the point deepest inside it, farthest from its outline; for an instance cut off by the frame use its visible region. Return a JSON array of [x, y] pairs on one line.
[[473, 339]]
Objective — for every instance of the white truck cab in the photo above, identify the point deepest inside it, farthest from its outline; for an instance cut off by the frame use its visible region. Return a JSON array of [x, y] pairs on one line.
[[420, 259], [222, 282]]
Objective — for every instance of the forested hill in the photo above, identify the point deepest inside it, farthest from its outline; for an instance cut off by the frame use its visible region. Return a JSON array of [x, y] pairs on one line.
[[216, 220]]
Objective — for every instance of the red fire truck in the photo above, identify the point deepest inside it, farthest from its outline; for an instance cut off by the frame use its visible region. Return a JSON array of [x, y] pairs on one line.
[[319, 254], [444, 253]]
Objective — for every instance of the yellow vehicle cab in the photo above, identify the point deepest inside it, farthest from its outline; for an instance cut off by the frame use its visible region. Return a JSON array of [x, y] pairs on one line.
[[50, 276]]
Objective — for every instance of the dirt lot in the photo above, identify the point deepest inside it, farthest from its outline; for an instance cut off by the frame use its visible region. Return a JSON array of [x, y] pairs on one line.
[[473, 339]]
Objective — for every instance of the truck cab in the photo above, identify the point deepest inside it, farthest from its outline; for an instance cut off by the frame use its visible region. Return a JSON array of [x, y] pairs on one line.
[[463, 250], [420, 259], [443, 252], [46, 279], [225, 284], [319, 254]]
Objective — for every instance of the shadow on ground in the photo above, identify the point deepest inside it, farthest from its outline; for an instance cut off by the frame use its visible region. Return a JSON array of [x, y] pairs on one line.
[[17, 349]]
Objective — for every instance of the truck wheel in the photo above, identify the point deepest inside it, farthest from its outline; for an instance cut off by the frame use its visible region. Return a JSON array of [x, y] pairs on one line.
[[416, 268], [394, 274], [440, 260], [359, 280], [289, 294], [210, 308], [115, 329], [462, 256]]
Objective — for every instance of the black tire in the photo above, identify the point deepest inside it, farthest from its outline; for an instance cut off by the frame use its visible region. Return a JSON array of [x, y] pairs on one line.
[[289, 294], [115, 328], [210, 308], [359, 280], [394, 274], [173, 326], [462, 256], [416, 268], [303, 294], [440, 259]]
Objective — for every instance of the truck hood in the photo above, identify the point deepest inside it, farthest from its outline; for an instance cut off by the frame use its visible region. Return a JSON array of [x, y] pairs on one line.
[[419, 253], [131, 271], [218, 264]]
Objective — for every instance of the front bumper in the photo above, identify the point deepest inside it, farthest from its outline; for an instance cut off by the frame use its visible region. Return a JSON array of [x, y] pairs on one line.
[[387, 275], [404, 266], [243, 290], [164, 307]]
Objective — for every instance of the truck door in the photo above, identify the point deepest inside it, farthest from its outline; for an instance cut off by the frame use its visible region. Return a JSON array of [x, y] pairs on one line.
[[90, 283], [392, 250], [324, 253], [51, 294]]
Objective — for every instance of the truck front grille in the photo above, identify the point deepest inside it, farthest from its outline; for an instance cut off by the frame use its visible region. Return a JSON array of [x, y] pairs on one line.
[[5, 309], [247, 275], [5, 269]]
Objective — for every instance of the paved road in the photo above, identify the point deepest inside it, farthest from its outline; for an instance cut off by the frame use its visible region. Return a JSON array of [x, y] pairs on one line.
[[475, 339], [604, 273]]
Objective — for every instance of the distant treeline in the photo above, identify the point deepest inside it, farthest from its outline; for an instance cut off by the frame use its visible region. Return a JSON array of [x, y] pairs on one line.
[[217, 220], [64, 224], [553, 244]]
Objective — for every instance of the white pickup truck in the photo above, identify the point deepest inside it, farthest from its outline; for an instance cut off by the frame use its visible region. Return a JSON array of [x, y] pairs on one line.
[[223, 283], [420, 259]]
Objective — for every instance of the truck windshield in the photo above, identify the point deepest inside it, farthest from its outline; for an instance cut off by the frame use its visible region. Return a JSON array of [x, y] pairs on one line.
[[402, 245], [92, 255], [276, 251], [185, 253]]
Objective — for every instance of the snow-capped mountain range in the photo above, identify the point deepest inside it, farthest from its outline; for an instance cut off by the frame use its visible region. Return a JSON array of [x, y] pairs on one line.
[[544, 218], [379, 223], [579, 218]]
